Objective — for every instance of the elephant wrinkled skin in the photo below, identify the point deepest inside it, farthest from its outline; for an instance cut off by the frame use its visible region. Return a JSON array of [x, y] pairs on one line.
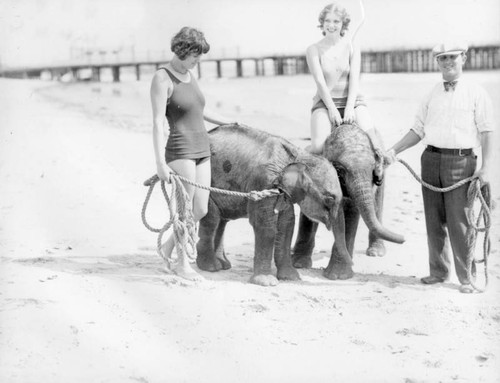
[[246, 159], [350, 151]]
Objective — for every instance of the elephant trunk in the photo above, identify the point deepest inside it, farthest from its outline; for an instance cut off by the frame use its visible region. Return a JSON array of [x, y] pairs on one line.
[[361, 193]]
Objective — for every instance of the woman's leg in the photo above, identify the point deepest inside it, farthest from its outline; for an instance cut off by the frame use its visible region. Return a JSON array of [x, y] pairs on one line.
[[187, 169], [200, 199], [321, 128], [364, 120]]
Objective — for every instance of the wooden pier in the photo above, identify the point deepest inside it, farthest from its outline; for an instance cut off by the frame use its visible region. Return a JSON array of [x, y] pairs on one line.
[[417, 60]]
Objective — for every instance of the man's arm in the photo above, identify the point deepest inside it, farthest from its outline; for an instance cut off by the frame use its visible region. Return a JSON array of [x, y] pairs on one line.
[[409, 139], [486, 143]]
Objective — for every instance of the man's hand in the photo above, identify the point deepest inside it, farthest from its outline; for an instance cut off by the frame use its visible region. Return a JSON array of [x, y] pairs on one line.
[[389, 157], [483, 175]]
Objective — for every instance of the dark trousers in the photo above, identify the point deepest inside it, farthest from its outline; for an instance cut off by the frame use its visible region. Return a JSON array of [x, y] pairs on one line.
[[445, 213]]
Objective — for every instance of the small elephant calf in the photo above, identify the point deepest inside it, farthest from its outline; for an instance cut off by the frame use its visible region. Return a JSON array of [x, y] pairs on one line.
[[246, 159]]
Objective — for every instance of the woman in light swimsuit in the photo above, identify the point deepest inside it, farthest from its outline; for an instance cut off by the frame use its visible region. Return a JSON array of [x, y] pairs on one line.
[[335, 63], [177, 99]]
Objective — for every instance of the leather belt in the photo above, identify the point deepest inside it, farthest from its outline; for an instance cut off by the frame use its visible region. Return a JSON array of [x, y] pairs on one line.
[[454, 152]]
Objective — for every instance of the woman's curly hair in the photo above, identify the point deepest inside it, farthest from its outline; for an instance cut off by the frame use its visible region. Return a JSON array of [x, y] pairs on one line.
[[189, 41], [340, 11]]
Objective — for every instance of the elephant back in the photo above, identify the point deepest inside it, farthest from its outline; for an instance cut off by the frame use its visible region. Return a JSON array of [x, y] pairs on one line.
[[245, 158]]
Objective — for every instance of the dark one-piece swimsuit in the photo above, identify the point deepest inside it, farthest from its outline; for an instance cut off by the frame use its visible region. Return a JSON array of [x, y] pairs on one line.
[[188, 138]]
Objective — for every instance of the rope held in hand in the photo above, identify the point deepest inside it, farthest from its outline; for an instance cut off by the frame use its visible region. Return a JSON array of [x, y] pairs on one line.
[[181, 218], [181, 215], [474, 192]]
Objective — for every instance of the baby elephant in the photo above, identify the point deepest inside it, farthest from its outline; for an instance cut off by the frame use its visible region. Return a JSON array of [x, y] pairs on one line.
[[246, 159]]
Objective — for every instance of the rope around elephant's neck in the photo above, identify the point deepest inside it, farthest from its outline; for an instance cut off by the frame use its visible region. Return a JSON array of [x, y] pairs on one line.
[[252, 195], [181, 215], [474, 192]]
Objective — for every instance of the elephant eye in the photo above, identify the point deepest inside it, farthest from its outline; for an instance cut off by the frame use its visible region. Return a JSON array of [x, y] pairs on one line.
[[329, 201]]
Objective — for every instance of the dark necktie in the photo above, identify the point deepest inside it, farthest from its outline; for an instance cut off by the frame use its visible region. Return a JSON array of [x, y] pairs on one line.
[[449, 85]]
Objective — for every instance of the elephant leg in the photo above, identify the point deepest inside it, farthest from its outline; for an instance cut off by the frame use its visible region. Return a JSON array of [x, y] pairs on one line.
[[211, 228], [220, 254], [264, 223], [351, 216], [304, 244], [376, 246], [340, 265], [282, 245]]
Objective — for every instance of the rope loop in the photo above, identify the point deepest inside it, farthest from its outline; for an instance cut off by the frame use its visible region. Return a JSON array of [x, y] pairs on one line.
[[181, 214]]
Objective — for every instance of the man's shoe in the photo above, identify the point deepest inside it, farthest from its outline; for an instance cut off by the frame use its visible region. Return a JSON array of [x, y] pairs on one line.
[[431, 279], [466, 289]]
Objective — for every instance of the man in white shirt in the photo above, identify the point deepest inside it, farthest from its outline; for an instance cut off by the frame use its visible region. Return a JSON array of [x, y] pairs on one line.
[[454, 118]]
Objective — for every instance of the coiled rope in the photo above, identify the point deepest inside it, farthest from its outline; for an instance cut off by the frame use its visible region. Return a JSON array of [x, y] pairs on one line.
[[181, 215], [484, 196]]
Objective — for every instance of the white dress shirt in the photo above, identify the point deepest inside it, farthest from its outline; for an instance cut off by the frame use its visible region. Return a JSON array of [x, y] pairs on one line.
[[454, 119]]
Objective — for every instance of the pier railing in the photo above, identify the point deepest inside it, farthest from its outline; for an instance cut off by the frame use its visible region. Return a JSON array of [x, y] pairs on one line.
[[415, 60]]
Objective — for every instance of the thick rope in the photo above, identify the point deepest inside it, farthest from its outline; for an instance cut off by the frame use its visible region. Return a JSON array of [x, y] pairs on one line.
[[485, 214], [362, 11], [181, 219], [181, 215], [474, 192], [252, 195]]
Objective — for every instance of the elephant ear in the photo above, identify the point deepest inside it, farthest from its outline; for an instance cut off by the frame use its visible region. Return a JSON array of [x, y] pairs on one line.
[[290, 150], [341, 170], [282, 203], [294, 182], [284, 199]]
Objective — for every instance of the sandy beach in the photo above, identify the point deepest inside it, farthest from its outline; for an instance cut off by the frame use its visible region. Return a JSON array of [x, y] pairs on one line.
[[84, 296]]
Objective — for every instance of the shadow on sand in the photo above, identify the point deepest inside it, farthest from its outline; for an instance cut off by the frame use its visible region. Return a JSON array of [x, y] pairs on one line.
[[147, 266]]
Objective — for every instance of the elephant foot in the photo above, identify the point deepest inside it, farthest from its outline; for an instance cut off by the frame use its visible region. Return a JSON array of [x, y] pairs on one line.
[[302, 262], [302, 254], [338, 271], [264, 280], [376, 249], [213, 264], [288, 273]]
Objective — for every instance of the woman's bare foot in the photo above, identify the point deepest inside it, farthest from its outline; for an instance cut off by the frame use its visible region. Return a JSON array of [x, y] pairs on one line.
[[180, 266], [187, 272], [166, 251]]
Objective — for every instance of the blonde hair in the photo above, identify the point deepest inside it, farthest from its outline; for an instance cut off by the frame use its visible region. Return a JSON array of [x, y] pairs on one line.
[[340, 11]]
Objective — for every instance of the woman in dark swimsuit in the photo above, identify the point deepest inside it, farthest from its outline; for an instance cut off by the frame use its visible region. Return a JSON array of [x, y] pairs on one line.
[[177, 99]]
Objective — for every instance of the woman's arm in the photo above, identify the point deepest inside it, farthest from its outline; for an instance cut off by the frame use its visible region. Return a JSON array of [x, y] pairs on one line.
[[355, 65], [215, 118], [314, 65], [161, 87]]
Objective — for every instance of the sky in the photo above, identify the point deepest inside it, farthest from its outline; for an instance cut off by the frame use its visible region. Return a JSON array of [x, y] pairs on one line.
[[60, 31]]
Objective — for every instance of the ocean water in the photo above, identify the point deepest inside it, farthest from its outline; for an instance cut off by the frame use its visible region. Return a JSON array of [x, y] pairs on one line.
[[278, 104]]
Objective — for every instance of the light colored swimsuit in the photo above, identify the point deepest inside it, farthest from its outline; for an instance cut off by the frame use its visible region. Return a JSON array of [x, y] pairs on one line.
[[336, 67]]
